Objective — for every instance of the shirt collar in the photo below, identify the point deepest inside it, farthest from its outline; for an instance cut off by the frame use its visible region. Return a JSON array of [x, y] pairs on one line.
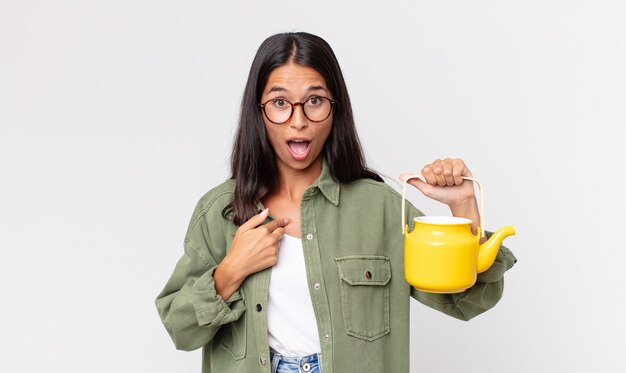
[[327, 184]]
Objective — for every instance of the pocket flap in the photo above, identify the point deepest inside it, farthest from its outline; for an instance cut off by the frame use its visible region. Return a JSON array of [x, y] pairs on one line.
[[364, 269]]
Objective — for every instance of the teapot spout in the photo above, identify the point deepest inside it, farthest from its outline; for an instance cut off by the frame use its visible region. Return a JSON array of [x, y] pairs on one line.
[[489, 249]]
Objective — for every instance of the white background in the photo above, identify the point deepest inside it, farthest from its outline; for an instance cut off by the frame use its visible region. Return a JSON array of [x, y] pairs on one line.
[[116, 116]]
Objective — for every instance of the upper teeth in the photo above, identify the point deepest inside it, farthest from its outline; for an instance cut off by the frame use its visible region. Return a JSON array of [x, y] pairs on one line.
[[297, 140]]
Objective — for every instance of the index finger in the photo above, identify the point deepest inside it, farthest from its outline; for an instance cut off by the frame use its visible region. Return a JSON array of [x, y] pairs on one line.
[[254, 221], [275, 224]]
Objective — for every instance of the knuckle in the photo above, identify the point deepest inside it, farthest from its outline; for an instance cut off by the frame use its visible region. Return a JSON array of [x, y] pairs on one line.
[[274, 240], [267, 241], [273, 259]]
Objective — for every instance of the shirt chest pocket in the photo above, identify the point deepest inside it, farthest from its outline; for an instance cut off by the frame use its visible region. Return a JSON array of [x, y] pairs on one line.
[[364, 282]]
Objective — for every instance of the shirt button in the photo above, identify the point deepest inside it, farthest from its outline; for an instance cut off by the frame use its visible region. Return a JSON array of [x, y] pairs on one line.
[[259, 308], [263, 360], [309, 236], [326, 337], [317, 285]]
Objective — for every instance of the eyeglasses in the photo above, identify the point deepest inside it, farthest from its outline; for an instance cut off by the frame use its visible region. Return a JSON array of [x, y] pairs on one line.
[[315, 108]]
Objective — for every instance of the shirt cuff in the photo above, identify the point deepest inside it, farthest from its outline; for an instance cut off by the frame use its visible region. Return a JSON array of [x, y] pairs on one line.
[[211, 309]]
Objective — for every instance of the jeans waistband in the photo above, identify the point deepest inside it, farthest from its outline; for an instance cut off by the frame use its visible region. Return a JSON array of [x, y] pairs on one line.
[[296, 364]]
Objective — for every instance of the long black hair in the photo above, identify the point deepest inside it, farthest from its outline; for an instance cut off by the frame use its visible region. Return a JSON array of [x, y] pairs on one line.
[[253, 163]]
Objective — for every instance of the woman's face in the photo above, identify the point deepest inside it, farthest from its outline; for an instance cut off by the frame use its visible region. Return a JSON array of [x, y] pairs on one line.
[[298, 142]]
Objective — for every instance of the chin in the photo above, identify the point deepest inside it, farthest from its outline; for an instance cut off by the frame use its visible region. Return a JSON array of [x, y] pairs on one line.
[[302, 165]]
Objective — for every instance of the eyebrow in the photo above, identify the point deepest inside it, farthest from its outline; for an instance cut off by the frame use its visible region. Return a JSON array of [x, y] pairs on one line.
[[277, 89], [282, 89], [316, 87]]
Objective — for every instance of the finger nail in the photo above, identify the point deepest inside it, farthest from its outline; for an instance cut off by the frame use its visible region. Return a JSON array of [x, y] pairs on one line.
[[265, 212]]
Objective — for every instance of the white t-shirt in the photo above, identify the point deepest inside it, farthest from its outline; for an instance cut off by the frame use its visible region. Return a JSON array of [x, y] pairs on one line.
[[291, 324]]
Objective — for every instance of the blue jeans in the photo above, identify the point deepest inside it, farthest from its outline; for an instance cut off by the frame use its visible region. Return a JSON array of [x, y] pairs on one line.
[[288, 364]]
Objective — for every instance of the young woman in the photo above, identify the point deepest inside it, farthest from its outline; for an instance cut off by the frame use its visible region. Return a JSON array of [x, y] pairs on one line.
[[295, 264]]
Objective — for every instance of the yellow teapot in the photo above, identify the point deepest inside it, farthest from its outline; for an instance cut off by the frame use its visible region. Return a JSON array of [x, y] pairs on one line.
[[441, 255]]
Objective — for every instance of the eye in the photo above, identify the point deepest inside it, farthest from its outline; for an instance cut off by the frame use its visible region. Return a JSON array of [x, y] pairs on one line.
[[279, 103], [314, 101]]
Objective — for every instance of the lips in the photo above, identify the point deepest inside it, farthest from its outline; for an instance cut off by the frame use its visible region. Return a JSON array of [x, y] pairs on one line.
[[299, 148]]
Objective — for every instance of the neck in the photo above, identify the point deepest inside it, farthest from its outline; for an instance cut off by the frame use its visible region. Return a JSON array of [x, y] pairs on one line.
[[292, 183]]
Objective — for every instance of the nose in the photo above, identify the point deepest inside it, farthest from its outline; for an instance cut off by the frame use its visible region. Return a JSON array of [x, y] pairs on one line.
[[298, 119]]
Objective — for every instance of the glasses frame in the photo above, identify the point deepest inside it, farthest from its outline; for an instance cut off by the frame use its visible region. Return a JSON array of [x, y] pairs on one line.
[[332, 108]]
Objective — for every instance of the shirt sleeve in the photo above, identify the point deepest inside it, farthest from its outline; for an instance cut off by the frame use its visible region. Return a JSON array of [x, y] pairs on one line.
[[482, 296], [189, 306]]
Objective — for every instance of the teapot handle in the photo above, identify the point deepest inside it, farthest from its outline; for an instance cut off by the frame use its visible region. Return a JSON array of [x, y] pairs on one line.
[[481, 210]]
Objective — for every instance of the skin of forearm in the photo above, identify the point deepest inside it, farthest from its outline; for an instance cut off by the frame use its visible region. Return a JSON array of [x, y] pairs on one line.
[[227, 280], [468, 210]]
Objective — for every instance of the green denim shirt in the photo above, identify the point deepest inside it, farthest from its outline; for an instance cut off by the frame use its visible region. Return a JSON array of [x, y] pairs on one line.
[[363, 322]]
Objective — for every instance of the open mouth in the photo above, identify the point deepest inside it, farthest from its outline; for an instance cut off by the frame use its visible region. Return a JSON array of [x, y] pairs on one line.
[[299, 149], [298, 146]]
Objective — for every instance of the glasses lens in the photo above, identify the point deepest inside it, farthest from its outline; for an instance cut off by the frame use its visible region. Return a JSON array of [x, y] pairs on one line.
[[317, 108], [278, 110]]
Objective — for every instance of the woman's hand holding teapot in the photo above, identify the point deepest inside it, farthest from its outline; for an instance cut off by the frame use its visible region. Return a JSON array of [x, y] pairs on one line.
[[444, 184]]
